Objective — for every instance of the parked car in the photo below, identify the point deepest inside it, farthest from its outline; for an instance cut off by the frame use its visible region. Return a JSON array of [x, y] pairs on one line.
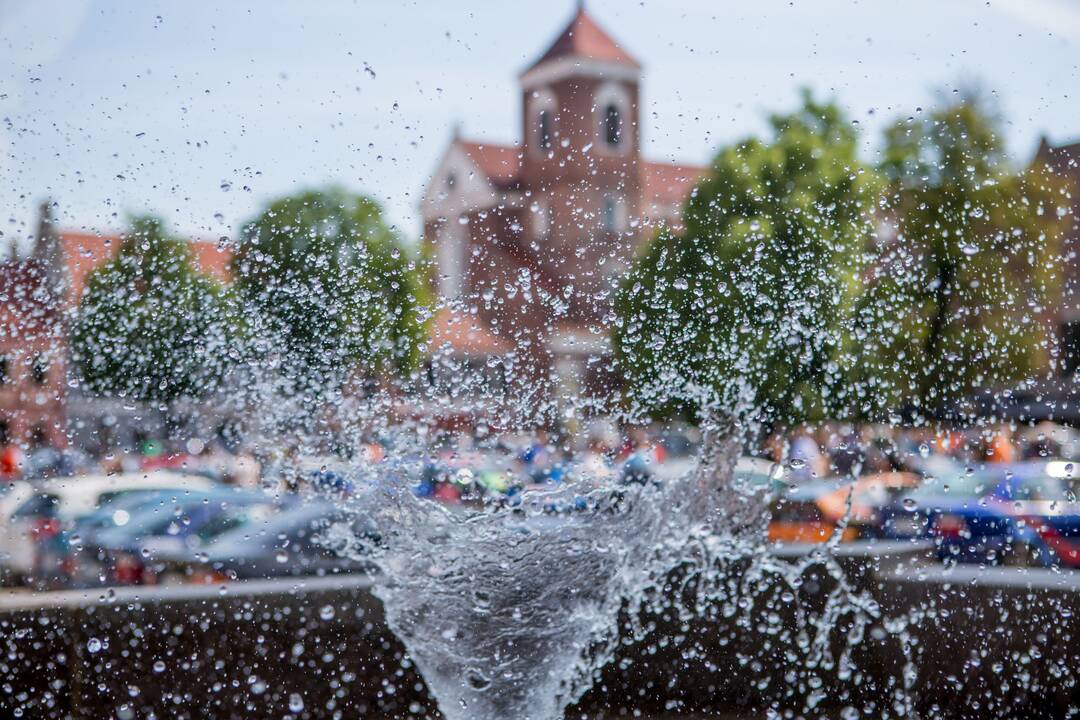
[[288, 543], [34, 513], [1015, 514], [913, 513], [755, 474], [126, 554], [814, 512]]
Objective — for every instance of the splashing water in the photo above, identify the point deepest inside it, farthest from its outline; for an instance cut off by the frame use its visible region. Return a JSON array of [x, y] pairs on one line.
[[512, 611]]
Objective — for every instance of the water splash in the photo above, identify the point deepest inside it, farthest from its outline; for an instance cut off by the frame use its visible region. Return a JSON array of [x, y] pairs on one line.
[[512, 610]]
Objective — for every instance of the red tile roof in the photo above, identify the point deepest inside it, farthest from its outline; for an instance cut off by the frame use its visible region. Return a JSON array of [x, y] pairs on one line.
[[583, 38], [501, 163], [1061, 158], [665, 182], [84, 252], [213, 258], [465, 335]]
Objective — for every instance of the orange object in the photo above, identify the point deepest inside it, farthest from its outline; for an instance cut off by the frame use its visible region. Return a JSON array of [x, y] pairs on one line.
[[807, 532], [1001, 450], [11, 462]]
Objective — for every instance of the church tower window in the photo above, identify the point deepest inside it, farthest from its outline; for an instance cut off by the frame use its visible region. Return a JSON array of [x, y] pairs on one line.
[[612, 125], [543, 129]]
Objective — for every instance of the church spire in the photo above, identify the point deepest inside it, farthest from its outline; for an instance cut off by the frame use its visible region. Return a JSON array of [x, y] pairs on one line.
[[584, 38]]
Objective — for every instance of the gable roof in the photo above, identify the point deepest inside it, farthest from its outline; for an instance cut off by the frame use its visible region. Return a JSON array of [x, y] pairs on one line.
[[1061, 158], [501, 163], [584, 38], [82, 252], [672, 183]]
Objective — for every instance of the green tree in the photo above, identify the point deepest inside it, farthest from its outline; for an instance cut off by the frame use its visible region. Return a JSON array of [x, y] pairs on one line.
[[333, 286], [150, 326], [960, 295], [758, 295]]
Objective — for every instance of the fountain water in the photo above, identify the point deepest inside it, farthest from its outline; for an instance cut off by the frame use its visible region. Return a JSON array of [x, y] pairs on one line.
[[512, 611]]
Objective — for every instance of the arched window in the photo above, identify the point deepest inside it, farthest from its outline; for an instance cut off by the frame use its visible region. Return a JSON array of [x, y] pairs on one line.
[[543, 129], [612, 125]]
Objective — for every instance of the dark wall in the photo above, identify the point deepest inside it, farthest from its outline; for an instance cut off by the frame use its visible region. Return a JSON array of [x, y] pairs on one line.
[[993, 649]]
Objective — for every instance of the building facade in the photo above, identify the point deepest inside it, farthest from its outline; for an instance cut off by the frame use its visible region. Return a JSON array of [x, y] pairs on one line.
[[40, 405], [529, 240]]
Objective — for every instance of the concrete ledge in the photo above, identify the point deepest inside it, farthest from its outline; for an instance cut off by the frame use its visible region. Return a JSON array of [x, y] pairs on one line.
[[993, 643]]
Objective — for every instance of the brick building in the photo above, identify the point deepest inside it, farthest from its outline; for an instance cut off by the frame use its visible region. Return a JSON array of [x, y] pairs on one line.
[[1064, 162], [530, 239], [32, 367], [37, 294]]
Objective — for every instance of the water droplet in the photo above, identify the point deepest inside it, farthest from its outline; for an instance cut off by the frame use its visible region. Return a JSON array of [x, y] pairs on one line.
[[327, 612], [296, 702], [159, 666], [93, 645], [477, 680]]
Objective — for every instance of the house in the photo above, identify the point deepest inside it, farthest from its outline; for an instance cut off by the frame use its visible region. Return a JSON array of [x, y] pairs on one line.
[[38, 406], [1064, 162]]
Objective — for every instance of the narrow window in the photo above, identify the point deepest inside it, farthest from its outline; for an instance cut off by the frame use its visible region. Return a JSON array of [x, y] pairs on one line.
[[39, 371], [542, 220], [612, 125], [39, 437], [609, 213], [543, 129], [1070, 342]]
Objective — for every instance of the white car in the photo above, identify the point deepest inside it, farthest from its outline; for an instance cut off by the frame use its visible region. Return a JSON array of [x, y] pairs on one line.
[[70, 498]]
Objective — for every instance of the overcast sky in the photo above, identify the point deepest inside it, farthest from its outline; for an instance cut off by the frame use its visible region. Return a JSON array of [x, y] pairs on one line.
[[204, 111]]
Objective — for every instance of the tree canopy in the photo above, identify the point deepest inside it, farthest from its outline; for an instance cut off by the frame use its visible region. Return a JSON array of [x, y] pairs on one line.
[[961, 292], [332, 285], [150, 326], [759, 293], [809, 285]]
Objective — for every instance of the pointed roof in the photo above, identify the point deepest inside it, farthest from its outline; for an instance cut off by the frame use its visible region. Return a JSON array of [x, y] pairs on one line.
[[584, 38], [501, 163]]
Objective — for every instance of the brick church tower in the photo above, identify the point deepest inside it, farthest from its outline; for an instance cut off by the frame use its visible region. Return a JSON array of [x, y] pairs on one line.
[[530, 240]]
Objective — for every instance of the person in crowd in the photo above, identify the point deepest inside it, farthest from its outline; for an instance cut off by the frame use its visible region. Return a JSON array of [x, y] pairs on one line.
[[51, 548], [846, 455], [597, 463], [998, 446], [639, 456], [806, 459], [11, 462], [775, 448]]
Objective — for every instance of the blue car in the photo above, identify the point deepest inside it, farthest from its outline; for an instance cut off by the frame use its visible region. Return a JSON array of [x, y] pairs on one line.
[[1022, 514], [124, 554]]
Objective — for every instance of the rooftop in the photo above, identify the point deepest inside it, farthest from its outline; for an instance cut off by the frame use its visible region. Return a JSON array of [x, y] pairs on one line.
[[584, 38]]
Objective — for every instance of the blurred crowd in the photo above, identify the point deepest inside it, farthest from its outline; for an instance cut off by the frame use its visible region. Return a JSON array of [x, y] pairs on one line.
[[832, 449], [212, 459]]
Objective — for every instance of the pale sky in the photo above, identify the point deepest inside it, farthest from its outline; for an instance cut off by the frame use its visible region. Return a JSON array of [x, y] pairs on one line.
[[204, 111]]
